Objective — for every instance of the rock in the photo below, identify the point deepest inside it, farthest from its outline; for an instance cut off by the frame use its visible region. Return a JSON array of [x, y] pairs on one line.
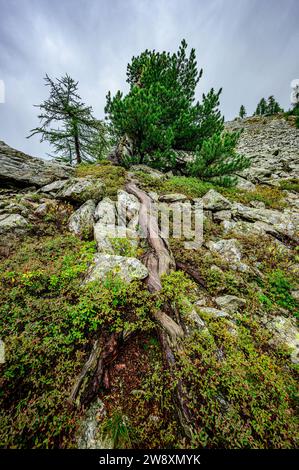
[[82, 189], [222, 215], [14, 208], [258, 204], [19, 169], [104, 235], [52, 188], [284, 223], [214, 201], [295, 294], [285, 333], [242, 227], [91, 436], [214, 312], [245, 184], [126, 268], [13, 223], [43, 209], [230, 303], [196, 320], [230, 250], [106, 212], [272, 145], [175, 197], [81, 221], [149, 171], [128, 205]]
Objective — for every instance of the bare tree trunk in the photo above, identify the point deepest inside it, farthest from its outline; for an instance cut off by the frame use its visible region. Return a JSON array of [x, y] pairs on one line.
[[77, 148]]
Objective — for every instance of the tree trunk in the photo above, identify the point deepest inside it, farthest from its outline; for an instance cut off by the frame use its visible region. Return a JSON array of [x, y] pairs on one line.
[[77, 148]]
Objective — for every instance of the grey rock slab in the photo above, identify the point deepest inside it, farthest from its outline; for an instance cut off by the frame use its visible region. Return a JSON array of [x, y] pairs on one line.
[[214, 201], [21, 169], [126, 268]]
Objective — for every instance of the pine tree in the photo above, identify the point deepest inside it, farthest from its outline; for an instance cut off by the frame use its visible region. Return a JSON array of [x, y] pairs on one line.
[[68, 124], [268, 107], [242, 112], [261, 108], [159, 114], [217, 160], [273, 106]]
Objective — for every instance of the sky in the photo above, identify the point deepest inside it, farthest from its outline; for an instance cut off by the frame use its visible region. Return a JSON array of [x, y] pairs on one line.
[[250, 48]]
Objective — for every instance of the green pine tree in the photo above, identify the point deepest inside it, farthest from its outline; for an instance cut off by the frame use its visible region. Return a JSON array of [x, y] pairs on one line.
[[160, 114], [217, 159], [261, 108], [242, 112], [68, 124], [273, 106]]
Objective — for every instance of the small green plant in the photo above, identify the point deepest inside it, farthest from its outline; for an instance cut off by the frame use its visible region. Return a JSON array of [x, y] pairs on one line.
[[117, 429]]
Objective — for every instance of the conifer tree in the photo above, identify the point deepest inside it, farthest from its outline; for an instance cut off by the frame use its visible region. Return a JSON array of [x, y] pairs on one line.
[[261, 107], [68, 124], [160, 114], [268, 107], [242, 112], [273, 106], [217, 159]]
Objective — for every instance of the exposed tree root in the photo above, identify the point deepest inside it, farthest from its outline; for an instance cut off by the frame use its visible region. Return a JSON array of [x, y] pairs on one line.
[[159, 261], [95, 372], [192, 272]]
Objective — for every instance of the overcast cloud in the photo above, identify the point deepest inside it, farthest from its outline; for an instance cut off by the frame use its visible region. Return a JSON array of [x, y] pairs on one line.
[[248, 47]]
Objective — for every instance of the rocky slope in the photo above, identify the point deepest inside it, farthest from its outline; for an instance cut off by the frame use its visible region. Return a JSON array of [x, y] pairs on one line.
[[127, 338], [272, 144]]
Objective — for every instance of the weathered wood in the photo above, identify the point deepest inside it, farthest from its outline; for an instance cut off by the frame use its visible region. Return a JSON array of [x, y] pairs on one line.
[[159, 261], [95, 372], [192, 272]]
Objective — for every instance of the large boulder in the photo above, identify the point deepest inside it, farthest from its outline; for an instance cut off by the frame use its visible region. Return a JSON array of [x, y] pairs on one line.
[[174, 197], [126, 268], [19, 169], [82, 189], [284, 332], [81, 221], [13, 223]]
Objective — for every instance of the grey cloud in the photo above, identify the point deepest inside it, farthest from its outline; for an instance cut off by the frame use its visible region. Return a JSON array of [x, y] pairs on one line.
[[248, 47]]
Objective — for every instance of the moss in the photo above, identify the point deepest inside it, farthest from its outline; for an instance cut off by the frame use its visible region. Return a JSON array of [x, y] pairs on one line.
[[240, 395], [113, 176], [272, 197], [48, 320], [291, 184]]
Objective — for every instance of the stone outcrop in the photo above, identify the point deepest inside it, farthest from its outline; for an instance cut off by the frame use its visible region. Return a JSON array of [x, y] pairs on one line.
[[19, 169], [272, 145]]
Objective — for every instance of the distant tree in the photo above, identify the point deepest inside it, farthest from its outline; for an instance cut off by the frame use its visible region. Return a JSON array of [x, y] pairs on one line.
[[217, 159], [261, 107], [268, 107], [273, 106], [68, 124], [242, 112]]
